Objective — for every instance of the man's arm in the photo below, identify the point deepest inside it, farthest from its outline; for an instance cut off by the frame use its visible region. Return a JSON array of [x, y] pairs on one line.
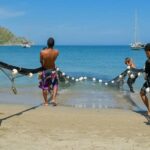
[[57, 53], [41, 58]]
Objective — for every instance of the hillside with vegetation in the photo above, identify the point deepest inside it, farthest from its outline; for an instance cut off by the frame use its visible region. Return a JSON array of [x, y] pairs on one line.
[[8, 38]]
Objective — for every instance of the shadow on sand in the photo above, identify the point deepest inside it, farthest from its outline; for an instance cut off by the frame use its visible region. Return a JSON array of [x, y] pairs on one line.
[[130, 99], [19, 113], [144, 113]]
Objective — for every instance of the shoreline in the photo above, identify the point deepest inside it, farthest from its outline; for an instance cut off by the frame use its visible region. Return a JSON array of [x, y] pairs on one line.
[[44, 127], [19, 44], [13, 45]]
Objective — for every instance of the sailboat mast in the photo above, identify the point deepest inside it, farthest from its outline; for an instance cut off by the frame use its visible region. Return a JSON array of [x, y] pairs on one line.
[[135, 28], [137, 44]]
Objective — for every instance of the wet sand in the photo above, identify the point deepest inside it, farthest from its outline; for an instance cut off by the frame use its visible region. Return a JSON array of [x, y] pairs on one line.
[[67, 128]]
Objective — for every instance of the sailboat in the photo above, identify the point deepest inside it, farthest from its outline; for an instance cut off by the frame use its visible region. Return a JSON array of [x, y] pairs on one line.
[[136, 45], [26, 45]]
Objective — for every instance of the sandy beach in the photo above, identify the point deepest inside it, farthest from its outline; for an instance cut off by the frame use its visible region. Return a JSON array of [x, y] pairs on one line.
[[67, 128]]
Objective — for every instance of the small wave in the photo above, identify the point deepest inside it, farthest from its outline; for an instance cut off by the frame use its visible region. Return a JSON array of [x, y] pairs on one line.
[[94, 96]]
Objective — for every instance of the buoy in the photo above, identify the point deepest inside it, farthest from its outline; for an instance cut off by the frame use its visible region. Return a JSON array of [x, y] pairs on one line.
[[120, 76], [100, 81], [30, 74], [128, 67], [132, 76], [81, 78], [85, 78], [72, 78], [14, 71], [106, 83], [77, 80], [112, 81], [63, 74], [148, 89], [67, 77], [94, 79], [57, 69], [128, 72]]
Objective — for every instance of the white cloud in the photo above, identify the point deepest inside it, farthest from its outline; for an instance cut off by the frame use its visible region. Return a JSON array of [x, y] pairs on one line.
[[7, 13]]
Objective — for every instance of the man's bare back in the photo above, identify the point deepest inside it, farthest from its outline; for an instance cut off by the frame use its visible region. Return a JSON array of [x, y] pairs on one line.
[[49, 79], [48, 57]]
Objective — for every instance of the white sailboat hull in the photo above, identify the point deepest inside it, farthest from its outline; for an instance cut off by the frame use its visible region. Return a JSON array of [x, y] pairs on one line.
[[137, 46]]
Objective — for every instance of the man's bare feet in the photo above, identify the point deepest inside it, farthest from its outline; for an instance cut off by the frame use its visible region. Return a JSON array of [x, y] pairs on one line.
[[53, 103], [148, 113], [45, 104]]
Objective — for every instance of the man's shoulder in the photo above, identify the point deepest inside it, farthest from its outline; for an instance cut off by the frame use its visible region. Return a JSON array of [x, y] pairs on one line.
[[42, 51], [45, 51], [56, 51]]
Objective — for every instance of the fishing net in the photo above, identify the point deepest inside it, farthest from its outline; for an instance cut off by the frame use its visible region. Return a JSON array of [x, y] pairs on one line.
[[13, 72]]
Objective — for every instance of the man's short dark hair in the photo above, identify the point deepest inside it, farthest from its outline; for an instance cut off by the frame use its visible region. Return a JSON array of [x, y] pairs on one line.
[[127, 59], [50, 42], [147, 47]]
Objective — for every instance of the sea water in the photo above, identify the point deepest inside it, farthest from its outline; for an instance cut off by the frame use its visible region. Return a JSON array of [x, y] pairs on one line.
[[102, 62]]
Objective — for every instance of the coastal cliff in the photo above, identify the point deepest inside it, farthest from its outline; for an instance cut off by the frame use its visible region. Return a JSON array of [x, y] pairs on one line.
[[9, 38]]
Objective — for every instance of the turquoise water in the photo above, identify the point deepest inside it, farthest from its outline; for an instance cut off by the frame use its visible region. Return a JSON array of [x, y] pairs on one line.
[[104, 62]]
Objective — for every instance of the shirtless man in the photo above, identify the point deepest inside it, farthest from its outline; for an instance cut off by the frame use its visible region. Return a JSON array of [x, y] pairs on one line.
[[49, 78]]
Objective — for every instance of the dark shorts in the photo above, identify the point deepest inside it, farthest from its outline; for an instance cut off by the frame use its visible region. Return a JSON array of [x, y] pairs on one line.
[[49, 80], [145, 85], [131, 80]]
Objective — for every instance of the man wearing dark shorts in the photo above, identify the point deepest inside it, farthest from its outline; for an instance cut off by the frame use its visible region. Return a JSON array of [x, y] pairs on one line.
[[147, 78]]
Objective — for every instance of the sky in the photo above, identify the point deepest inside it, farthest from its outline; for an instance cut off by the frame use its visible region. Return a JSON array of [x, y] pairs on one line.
[[77, 22]]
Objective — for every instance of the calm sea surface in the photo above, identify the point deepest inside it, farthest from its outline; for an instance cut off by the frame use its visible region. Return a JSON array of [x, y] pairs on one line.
[[103, 62]]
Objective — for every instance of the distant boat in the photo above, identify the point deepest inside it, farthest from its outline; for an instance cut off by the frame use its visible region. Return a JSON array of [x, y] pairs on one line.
[[26, 45], [136, 45]]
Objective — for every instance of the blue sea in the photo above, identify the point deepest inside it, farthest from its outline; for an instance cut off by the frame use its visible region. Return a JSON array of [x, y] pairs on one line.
[[102, 62]]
